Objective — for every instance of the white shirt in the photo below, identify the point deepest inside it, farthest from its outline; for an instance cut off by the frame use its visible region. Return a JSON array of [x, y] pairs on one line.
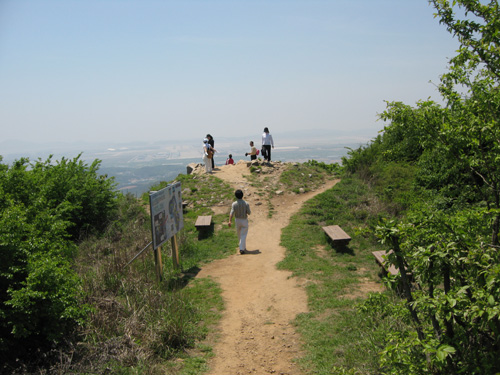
[[267, 139]]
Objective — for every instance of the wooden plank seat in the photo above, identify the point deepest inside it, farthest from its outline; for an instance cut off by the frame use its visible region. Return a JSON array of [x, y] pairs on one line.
[[203, 222], [336, 234], [380, 258]]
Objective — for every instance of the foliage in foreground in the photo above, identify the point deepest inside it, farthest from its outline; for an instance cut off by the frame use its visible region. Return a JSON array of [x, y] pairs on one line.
[[44, 207], [446, 243]]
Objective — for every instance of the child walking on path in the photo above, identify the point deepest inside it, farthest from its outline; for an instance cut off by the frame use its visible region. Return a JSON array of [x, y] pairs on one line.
[[240, 209]]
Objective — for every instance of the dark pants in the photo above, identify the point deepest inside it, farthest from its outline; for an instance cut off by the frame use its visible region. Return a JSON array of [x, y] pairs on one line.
[[212, 143], [266, 152]]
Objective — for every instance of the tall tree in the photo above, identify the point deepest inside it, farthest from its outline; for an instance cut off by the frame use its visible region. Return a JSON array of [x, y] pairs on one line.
[[453, 256], [471, 89]]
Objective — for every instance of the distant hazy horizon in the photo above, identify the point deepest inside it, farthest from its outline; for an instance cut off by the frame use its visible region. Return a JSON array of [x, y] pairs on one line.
[[14, 149], [136, 166]]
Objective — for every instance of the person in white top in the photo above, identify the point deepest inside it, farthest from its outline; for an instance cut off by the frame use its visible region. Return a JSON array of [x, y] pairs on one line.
[[208, 154], [267, 143], [240, 210]]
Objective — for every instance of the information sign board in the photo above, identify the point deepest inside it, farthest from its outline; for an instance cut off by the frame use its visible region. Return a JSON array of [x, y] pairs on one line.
[[166, 213]]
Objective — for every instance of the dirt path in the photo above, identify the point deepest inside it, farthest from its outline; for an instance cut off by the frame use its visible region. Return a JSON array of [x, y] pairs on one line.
[[256, 334]]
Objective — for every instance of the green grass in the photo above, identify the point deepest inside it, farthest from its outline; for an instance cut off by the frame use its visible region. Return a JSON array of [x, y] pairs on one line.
[[303, 176], [338, 337]]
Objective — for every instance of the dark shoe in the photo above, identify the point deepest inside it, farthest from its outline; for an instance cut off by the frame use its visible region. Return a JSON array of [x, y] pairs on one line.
[[242, 252]]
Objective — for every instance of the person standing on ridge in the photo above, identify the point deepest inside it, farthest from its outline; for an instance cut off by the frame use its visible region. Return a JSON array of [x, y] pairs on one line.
[[208, 154], [267, 143], [240, 209], [211, 142]]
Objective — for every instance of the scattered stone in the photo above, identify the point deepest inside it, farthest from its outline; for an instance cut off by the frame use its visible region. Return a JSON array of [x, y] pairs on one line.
[[302, 191], [279, 192], [258, 203], [191, 167]]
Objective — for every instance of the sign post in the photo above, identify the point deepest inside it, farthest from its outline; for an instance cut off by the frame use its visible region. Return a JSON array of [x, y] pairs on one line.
[[166, 221], [175, 252]]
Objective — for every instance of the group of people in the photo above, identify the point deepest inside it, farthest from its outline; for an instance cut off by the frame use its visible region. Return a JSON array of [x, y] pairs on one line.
[[267, 143], [240, 209], [209, 150]]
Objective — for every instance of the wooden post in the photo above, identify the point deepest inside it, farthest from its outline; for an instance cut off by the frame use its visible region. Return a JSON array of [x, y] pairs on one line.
[[175, 252], [158, 264]]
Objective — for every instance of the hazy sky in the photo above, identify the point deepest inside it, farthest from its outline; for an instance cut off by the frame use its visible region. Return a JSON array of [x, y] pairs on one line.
[[128, 70]]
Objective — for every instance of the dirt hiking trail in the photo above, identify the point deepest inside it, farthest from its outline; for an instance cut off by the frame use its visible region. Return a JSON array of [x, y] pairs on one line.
[[256, 334]]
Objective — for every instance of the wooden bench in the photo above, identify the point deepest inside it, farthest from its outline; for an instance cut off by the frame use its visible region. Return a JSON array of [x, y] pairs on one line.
[[203, 222], [336, 234], [380, 258]]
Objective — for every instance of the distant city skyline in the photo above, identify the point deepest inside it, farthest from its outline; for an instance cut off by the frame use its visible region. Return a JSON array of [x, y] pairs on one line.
[[127, 71]]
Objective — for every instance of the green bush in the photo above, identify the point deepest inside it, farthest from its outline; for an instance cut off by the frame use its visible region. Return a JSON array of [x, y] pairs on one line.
[[44, 208], [46, 306], [359, 160], [333, 168]]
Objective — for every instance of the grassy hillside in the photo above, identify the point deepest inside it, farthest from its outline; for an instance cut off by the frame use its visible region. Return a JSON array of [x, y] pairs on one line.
[[131, 324]]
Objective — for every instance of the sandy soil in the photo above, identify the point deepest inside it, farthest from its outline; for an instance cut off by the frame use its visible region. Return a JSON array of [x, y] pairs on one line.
[[256, 335]]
